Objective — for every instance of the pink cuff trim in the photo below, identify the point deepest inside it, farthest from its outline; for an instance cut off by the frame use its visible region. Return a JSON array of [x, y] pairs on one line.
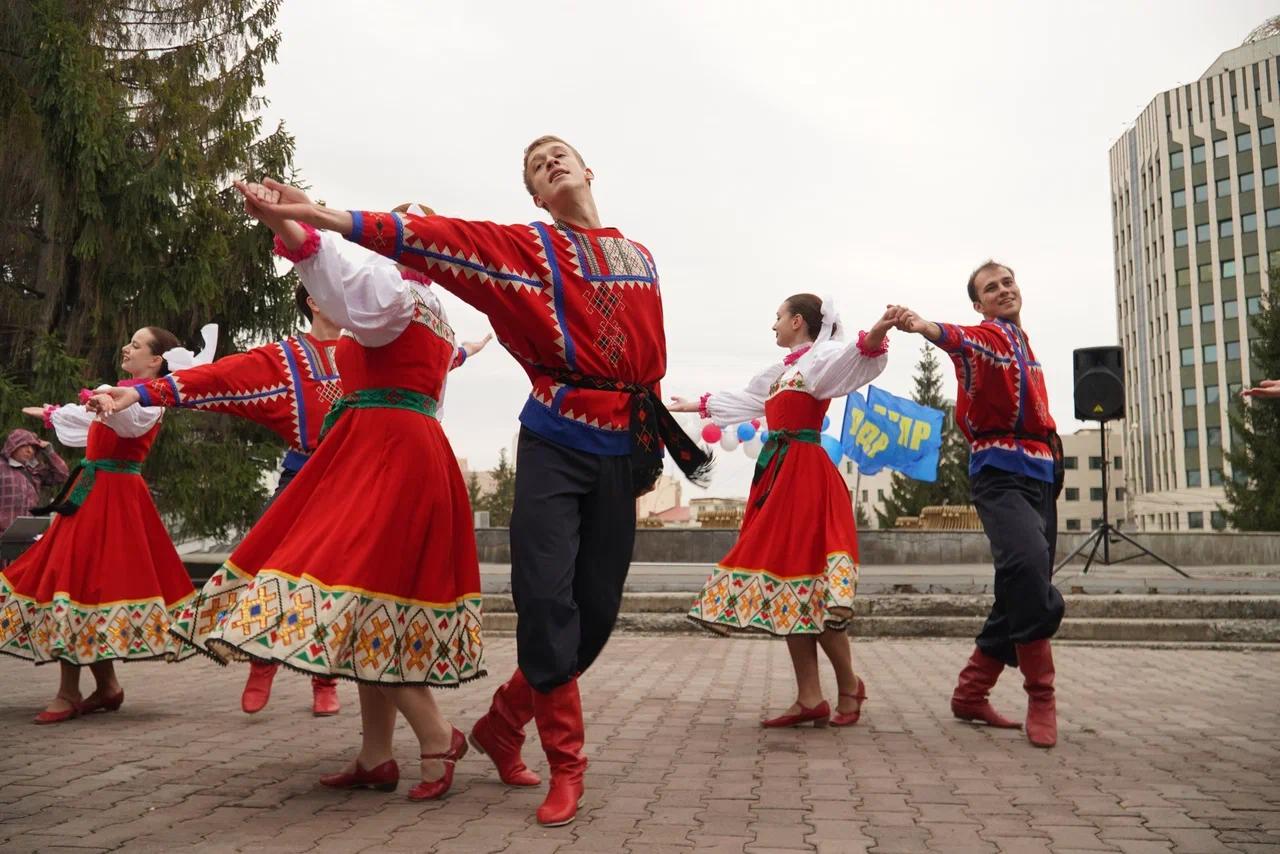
[[702, 405], [871, 354], [415, 276], [85, 394], [309, 247], [49, 409]]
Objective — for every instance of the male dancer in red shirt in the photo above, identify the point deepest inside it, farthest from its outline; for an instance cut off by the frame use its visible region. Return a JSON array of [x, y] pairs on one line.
[[1015, 475], [579, 307]]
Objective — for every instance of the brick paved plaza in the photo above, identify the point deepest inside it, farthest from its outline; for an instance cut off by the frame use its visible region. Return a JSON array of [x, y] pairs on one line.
[[1160, 750]]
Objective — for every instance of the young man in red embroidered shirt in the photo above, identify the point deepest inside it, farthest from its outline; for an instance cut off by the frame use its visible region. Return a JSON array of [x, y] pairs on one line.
[[1015, 475], [579, 307]]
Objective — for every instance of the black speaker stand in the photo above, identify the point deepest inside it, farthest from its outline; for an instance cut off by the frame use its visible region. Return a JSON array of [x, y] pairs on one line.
[[1103, 534]]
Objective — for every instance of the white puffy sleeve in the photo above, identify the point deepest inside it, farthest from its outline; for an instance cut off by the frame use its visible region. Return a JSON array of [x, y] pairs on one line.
[[839, 367], [734, 407], [358, 290], [71, 422]]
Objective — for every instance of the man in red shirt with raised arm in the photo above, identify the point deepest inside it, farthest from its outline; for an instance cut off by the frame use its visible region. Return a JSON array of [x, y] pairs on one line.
[[1015, 475]]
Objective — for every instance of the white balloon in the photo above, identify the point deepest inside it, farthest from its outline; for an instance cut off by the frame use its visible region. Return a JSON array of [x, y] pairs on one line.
[[752, 448], [729, 440]]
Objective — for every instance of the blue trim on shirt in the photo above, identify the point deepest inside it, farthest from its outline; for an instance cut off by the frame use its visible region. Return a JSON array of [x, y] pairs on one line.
[[1009, 460], [557, 291], [243, 397], [1016, 342], [144, 396], [173, 384], [297, 394], [399, 236], [573, 434], [479, 268], [557, 400], [357, 226], [294, 460], [312, 355]]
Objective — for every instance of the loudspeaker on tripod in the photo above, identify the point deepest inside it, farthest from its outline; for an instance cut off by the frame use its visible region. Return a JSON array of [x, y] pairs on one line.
[[1099, 383]]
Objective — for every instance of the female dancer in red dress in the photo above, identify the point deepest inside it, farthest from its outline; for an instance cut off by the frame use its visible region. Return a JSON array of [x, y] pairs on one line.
[[104, 583], [365, 567], [794, 569]]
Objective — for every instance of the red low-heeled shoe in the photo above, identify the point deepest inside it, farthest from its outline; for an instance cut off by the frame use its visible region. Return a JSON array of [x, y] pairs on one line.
[[820, 715], [48, 717], [430, 790], [384, 778], [840, 718], [94, 703]]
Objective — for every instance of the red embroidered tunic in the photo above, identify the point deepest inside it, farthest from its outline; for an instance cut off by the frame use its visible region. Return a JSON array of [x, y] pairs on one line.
[[1001, 402], [558, 297], [287, 386]]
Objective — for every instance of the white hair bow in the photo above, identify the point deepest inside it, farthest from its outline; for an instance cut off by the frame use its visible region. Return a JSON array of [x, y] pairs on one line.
[[180, 357], [832, 330]]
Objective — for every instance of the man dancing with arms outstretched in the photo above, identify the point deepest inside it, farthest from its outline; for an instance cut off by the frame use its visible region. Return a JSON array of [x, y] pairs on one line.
[[1015, 476], [579, 307]]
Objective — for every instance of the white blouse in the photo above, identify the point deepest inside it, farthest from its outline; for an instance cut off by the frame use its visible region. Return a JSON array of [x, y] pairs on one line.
[[828, 370], [71, 422], [363, 292]]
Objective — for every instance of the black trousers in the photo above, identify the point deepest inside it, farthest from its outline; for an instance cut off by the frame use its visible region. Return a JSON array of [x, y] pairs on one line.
[[1020, 518], [572, 531]]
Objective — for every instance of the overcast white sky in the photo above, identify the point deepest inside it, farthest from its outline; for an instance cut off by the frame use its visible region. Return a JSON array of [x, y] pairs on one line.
[[875, 151]]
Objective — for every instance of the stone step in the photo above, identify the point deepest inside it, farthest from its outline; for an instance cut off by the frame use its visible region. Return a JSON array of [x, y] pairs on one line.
[[922, 605], [1073, 628]]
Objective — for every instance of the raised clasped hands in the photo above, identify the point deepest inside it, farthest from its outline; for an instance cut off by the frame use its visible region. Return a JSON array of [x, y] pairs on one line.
[[271, 201], [904, 319], [112, 400]]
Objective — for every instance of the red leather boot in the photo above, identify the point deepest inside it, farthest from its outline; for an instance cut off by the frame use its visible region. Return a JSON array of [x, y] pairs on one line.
[[559, 717], [1035, 660], [257, 691], [500, 733], [969, 701], [324, 696]]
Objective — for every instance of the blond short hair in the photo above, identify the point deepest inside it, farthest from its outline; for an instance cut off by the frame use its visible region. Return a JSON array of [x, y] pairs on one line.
[[543, 140]]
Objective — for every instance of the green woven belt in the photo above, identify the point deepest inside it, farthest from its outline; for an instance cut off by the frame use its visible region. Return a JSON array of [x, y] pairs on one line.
[[381, 398], [80, 482]]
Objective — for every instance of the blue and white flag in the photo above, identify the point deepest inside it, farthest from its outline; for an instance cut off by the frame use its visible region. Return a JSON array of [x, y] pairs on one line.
[[888, 431]]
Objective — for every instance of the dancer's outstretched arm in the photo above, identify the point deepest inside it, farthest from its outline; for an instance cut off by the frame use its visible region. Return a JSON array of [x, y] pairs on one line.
[[482, 263]]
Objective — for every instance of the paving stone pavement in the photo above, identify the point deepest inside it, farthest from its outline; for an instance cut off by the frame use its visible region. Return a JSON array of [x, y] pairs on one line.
[[1160, 750]]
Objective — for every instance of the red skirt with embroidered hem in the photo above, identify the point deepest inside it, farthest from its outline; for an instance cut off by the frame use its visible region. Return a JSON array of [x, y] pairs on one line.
[[102, 584], [364, 568], [794, 569]]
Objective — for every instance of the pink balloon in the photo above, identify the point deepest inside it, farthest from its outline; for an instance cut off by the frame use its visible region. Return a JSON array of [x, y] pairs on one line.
[[711, 434]]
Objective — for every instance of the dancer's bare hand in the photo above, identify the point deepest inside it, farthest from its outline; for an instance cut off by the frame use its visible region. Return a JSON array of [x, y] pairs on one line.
[[683, 404], [1267, 390], [473, 347]]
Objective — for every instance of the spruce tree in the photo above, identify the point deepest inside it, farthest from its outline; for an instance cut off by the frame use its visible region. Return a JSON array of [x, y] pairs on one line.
[[503, 497], [1253, 490], [121, 126], [907, 496]]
